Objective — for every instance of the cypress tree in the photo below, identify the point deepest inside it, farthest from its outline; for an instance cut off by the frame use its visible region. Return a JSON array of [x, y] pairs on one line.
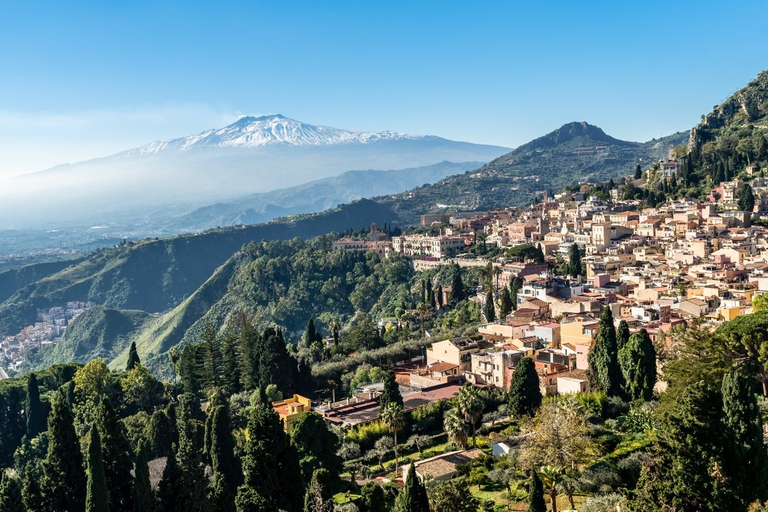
[[440, 297], [685, 470], [536, 494], [604, 371], [271, 470], [514, 287], [226, 470], [310, 334], [524, 390], [373, 498], [192, 491], [10, 494], [637, 360], [319, 497], [276, 366], [574, 261], [622, 334], [159, 435], [457, 285], [133, 358], [490, 308], [390, 392], [638, 172], [413, 497], [505, 307], [34, 408], [745, 456], [62, 486], [211, 357], [143, 497], [96, 497], [117, 459], [430, 294], [169, 490]]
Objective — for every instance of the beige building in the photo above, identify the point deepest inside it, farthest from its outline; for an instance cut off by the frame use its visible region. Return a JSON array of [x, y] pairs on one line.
[[422, 245], [457, 351]]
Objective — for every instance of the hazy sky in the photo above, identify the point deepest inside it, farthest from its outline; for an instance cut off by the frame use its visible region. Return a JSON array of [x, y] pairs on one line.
[[85, 79]]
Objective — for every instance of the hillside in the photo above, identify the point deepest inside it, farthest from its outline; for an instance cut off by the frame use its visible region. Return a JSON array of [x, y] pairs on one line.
[[99, 332], [278, 283], [576, 152], [732, 136], [317, 195], [155, 275]]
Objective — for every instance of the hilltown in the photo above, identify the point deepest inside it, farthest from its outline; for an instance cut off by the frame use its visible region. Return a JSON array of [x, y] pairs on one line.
[[656, 268]]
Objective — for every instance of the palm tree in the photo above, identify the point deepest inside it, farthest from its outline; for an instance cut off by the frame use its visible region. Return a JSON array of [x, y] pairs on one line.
[[393, 418], [552, 478], [471, 406], [454, 426]]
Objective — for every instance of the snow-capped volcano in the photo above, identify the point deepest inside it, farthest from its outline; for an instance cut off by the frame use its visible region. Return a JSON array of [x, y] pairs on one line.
[[249, 131], [250, 156]]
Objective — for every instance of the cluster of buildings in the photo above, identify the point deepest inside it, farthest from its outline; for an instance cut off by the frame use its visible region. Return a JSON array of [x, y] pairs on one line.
[[654, 267], [47, 330]]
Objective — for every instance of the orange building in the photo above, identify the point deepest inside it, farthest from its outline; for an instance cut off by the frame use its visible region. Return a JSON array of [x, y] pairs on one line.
[[290, 409]]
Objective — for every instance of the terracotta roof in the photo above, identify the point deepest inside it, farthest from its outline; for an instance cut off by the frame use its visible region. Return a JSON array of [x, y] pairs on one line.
[[442, 367]]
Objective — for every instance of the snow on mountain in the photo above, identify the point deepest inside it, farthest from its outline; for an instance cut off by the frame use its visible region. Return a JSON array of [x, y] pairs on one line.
[[248, 132]]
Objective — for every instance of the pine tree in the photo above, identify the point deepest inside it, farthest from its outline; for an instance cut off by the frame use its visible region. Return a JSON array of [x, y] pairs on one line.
[[226, 470], [524, 390], [230, 361], [143, 497], [745, 456], [536, 494], [63, 482], [96, 497], [604, 371], [413, 497], [390, 393], [622, 334], [117, 459], [249, 357], [211, 357], [637, 360], [271, 470], [34, 408], [10, 494], [133, 358], [490, 308]]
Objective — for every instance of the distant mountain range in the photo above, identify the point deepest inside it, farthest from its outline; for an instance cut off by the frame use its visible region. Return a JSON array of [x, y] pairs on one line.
[[151, 185]]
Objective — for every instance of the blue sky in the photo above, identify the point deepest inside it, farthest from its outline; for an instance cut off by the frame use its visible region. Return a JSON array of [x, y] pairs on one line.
[[85, 79]]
